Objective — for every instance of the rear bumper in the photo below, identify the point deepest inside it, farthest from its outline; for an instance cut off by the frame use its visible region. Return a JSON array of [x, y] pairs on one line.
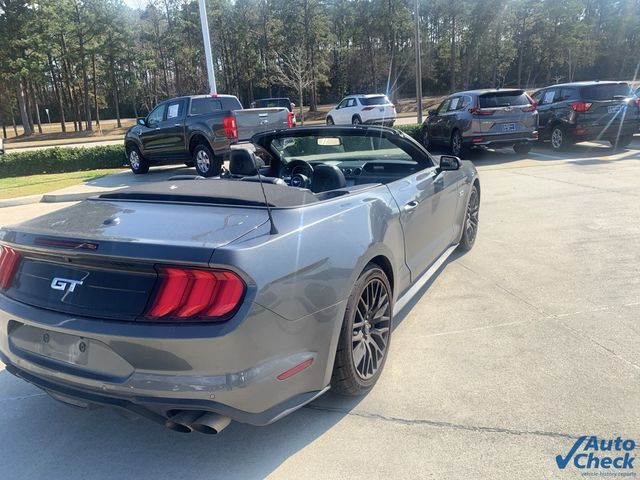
[[604, 132], [152, 370], [502, 140]]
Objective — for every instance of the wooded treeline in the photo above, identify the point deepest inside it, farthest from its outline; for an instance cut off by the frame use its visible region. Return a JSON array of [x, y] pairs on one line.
[[89, 59]]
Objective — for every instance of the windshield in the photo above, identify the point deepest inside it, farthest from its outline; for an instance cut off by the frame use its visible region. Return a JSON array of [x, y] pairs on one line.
[[503, 99], [607, 91], [379, 100], [338, 149]]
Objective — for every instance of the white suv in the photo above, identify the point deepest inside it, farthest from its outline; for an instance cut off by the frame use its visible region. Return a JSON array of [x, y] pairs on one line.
[[358, 109]]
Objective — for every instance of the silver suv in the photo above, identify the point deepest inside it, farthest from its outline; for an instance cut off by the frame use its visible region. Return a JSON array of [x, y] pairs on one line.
[[489, 118]]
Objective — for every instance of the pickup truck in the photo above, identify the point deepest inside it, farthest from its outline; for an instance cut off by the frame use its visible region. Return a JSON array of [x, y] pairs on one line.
[[198, 131]]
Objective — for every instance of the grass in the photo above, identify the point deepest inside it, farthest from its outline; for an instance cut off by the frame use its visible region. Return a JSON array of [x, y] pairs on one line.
[[37, 184]]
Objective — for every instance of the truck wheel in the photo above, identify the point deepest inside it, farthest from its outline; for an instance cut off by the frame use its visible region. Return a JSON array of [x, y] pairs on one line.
[[471, 218], [621, 141], [365, 334], [522, 148], [137, 162], [207, 164]]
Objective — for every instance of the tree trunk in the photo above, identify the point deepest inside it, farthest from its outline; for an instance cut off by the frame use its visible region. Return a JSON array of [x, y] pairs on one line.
[[57, 93], [23, 110], [300, 93], [85, 76], [453, 54], [37, 108]]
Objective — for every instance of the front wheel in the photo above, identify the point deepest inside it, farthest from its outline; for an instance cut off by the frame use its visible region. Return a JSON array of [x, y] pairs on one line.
[[139, 165], [207, 164], [365, 335], [426, 138], [471, 218], [330, 121]]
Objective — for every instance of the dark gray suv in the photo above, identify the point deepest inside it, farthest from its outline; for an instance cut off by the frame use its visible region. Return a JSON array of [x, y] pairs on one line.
[[489, 118]]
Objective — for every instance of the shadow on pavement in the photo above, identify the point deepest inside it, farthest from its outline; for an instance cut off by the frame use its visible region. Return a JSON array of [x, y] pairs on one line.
[[42, 438]]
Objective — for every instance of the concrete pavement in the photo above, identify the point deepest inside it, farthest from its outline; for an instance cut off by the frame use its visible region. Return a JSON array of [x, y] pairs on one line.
[[506, 357]]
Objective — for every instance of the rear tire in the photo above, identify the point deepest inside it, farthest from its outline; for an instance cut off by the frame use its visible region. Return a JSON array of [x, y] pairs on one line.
[[471, 218], [139, 165], [356, 120], [621, 142], [559, 140], [455, 144], [522, 148], [365, 334], [207, 164]]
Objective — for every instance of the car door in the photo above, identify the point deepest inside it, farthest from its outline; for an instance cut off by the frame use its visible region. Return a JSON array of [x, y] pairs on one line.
[[437, 122], [428, 201], [171, 130], [150, 135], [349, 111], [339, 112], [545, 107]]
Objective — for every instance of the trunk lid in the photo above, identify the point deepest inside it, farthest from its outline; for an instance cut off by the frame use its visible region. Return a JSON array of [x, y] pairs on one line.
[[610, 104], [98, 258], [505, 112]]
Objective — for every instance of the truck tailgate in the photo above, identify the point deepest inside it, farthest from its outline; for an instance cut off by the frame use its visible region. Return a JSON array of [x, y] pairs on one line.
[[255, 120]]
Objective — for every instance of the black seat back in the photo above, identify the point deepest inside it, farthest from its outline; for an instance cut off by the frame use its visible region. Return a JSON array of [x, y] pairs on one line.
[[327, 177], [244, 163]]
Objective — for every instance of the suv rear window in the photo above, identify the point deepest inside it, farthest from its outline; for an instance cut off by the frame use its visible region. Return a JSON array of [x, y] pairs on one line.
[[503, 99], [203, 105], [605, 91], [381, 100]]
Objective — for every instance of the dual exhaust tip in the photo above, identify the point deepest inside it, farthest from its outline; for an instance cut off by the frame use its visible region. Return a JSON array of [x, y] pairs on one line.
[[187, 421]]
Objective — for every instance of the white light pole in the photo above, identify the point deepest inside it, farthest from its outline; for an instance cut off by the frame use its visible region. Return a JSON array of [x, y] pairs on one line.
[[418, 65], [207, 47]]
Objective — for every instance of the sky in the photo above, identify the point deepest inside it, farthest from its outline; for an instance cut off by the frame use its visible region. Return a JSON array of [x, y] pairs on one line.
[[136, 3]]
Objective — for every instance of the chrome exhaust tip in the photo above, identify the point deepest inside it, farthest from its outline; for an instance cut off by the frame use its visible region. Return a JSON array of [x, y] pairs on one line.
[[211, 423], [181, 421]]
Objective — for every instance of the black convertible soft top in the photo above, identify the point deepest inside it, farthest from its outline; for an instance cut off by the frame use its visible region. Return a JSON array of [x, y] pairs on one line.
[[217, 192]]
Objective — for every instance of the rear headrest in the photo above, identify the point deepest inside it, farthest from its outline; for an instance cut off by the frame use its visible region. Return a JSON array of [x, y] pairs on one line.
[[244, 162]]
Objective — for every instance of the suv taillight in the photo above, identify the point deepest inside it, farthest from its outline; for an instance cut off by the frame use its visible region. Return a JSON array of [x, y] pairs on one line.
[[366, 109], [637, 100], [479, 111], [579, 106], [230, 127], [9, 259], [189, 294], [290, 119]]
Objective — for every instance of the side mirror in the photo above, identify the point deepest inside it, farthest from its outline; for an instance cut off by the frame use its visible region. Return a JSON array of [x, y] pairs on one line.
[[449, 163], [433, 112], [142, 121]]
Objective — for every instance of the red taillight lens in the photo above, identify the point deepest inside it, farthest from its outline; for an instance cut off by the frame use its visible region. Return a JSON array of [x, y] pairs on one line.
[[290, 120], [8, 262], [637, 100], [230, 127], [530, 108], [479, 111], [578, 106], [366, 109], [188, 294]]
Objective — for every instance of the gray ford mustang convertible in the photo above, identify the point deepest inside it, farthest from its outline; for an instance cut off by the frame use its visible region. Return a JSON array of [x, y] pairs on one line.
[[192, 302]]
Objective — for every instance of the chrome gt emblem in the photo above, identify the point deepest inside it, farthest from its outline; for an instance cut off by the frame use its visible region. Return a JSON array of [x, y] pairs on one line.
[[63, 284]]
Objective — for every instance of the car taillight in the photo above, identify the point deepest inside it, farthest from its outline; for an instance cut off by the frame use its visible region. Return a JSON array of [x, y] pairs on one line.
[[579, 106], [290, 120], [189, 294], [637, 100], [530, 108], [391, 105], [8, 262], [479, 111], [230, 127], [366, 109]]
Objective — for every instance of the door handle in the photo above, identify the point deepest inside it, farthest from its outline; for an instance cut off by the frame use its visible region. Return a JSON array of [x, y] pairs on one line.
[[177, 125], [411, 205], [157, 128]]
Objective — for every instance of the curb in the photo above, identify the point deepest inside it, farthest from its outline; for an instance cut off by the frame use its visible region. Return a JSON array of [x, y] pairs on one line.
[[15, 202], [47, 198]]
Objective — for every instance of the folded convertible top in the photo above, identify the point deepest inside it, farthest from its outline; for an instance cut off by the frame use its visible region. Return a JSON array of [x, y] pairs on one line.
[[215, 191]]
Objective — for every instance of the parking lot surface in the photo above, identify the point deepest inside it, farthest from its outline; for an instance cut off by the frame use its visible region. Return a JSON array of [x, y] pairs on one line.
[[508, 355]]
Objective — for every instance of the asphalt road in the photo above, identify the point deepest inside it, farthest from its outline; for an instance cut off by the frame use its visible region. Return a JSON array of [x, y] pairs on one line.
[[509, 354]]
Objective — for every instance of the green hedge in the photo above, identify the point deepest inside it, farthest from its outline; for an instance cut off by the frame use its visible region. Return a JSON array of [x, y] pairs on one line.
[[61, 160], [414, 131]]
